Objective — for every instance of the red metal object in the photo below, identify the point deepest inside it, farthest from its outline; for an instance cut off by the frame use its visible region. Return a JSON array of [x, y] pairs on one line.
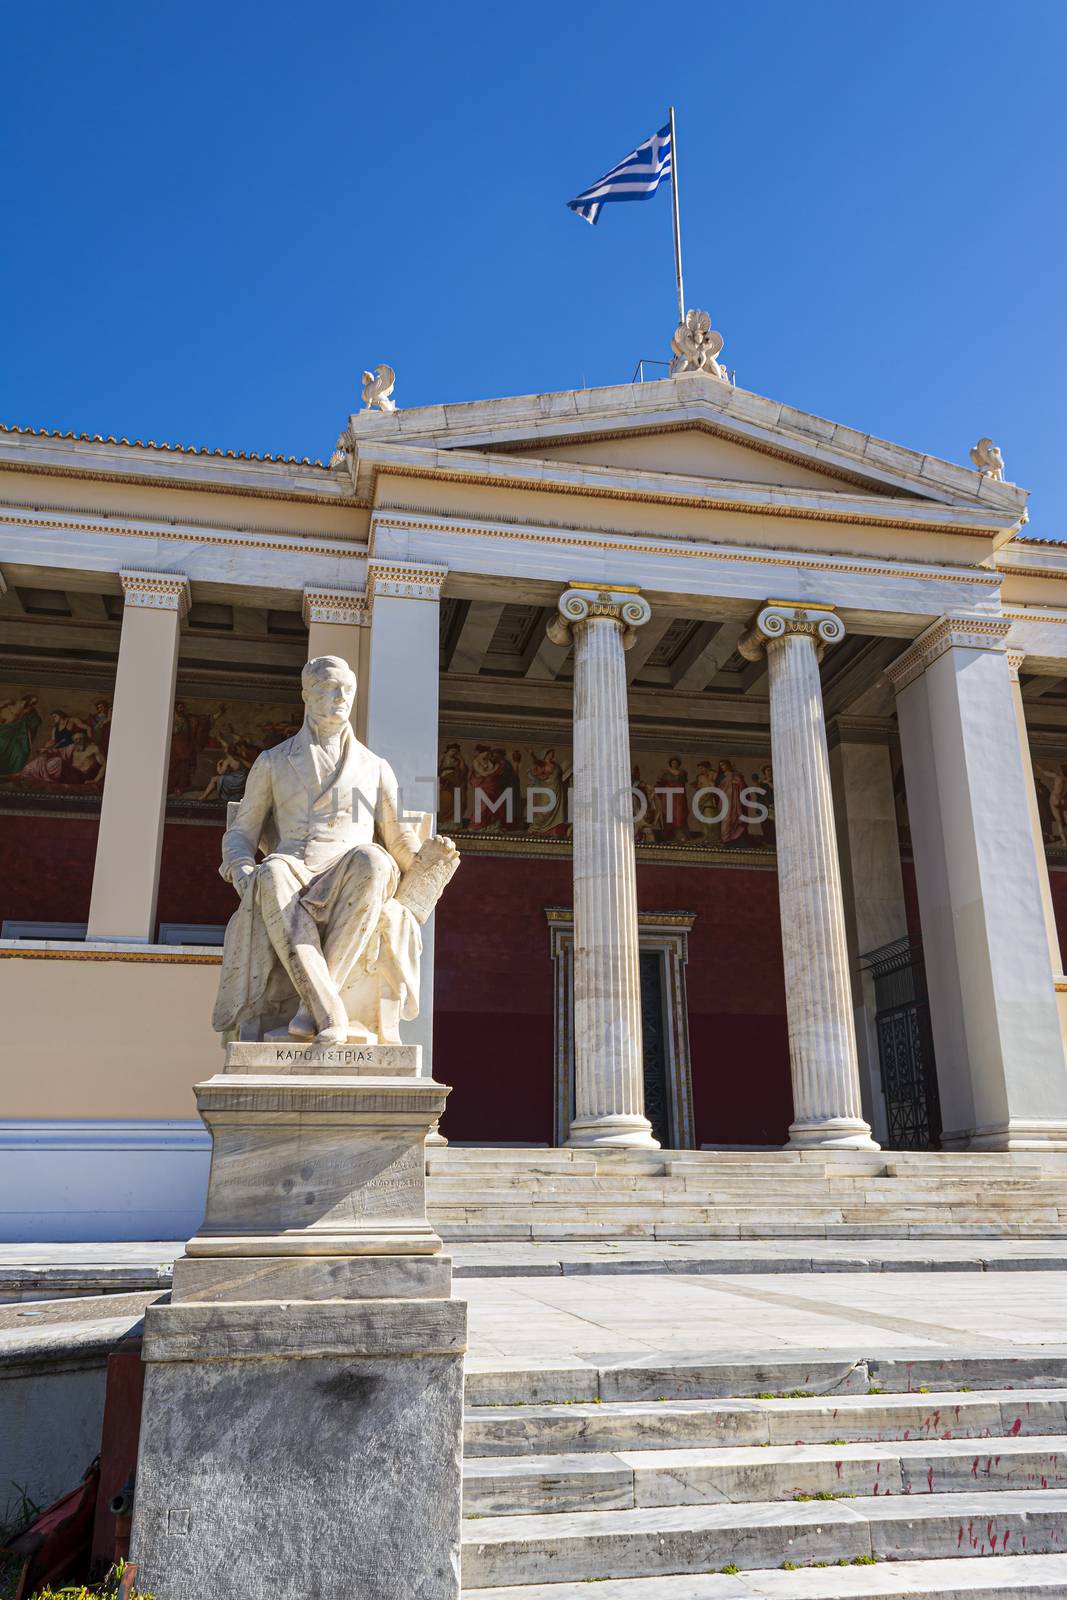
[[56, 1544], [118, 1452]]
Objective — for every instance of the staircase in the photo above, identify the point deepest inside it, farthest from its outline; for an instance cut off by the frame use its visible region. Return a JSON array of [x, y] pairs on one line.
[[511, 1194], [805, 1478]]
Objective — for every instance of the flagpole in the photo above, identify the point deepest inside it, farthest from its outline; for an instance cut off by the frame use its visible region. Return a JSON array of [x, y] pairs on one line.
[[677, 225]]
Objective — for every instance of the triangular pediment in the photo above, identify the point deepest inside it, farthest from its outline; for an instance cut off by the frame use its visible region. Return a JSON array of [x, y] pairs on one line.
[[694, 450], [692, 427]]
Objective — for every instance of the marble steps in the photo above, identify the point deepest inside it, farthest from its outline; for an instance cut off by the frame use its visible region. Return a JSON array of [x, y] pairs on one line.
[[723, 1474], [650, 1541], [860, 1419], [1037, 1577], [932, 1377]]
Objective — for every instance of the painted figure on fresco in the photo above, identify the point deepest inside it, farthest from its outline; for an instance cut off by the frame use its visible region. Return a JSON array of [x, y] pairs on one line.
[[707, 811], [673, 794], [452, 774], [487, 787], [342, 888], [731, 782], [1054, 782], [550, 809], [648, 820], [19, 721], [188, 735], [70, 756]]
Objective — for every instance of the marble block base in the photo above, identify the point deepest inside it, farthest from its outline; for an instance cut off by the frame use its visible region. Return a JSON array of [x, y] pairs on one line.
[[306, 1449], [218, 1279], [308, 1159]]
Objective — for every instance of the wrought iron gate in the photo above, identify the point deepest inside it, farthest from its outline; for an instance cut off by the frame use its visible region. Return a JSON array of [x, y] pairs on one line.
[[905, 1047]]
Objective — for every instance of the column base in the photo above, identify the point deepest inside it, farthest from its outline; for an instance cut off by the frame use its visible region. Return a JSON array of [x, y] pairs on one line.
[[435, 1138], [627, 1132], [835, 1133]]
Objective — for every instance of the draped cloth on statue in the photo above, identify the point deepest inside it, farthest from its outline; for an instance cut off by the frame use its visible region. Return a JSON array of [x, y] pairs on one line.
[[324, 865]]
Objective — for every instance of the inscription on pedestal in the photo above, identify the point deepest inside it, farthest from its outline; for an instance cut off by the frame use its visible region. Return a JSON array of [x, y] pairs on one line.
[[289, 1056]]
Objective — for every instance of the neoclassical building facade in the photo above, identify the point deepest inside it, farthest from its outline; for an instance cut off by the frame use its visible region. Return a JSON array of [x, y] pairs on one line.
[[751, 729]]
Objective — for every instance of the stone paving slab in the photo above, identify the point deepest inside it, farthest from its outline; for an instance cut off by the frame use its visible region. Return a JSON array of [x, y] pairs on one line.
[[54, 1270]]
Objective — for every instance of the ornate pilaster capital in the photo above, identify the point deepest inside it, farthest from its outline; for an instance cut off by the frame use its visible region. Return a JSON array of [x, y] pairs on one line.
[[778, 618], [405, 580], [156, 591], [612, 603], [948, 633], [335, 605], [1015, 662]]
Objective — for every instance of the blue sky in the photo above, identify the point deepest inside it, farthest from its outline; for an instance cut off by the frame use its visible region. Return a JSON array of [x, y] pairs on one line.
[[215, 215]]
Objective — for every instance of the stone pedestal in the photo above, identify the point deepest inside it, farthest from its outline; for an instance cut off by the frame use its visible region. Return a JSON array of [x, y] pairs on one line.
[[302, 1424], [822, 1040], [609, 1064]]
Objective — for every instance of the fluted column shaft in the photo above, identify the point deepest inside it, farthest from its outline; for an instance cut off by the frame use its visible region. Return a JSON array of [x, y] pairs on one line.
[[822, 1041], [609, 1070]]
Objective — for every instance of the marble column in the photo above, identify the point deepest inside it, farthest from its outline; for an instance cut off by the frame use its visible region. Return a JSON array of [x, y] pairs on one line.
[[827, 1109], [130, 840], [1015, 661], [608, 1064], [402, 719], [868, 851], [338, 624], [1001, 1071]]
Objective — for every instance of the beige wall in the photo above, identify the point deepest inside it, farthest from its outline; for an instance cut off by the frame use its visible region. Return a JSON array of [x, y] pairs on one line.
[[696, 453], [168, 499], [105, 1038]]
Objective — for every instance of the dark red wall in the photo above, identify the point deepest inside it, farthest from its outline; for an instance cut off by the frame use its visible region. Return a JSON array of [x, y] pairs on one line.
[[1058, 880], [190, 889], [493, 1006], [47, 867]]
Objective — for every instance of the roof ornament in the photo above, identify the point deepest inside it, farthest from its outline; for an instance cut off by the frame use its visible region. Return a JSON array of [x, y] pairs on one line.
[[377, 387], [988, 459], [696, 345], [342, 450]]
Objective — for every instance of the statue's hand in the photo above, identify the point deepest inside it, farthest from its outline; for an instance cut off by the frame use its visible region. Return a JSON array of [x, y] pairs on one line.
[[439, 847], [242, 877]]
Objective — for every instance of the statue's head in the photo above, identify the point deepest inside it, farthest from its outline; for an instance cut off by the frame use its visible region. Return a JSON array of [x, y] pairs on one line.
[[328, 686]]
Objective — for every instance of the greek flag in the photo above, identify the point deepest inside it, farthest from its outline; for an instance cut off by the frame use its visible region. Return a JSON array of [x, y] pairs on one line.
[[639, 176]]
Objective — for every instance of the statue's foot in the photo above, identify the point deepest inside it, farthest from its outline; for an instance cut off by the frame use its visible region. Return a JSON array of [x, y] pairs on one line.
[[302, 1025], [332, 1036]]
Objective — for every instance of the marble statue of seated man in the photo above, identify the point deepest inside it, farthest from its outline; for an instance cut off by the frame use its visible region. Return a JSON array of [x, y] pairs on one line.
[[333, 910]]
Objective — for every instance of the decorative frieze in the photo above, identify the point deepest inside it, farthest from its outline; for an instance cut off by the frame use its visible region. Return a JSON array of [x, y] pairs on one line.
[[156, 591], [405, 580], [336, 605], [626, 606], [948, 633], [778, 618]]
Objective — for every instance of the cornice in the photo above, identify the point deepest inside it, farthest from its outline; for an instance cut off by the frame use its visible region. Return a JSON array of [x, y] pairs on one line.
[[653, 544], [746, 500], [948, 633], [126, 514], [204, 485], [310, 544]]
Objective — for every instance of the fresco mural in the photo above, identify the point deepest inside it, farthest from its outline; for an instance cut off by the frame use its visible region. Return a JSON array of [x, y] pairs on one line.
[[54, 742], [213, 744], [1050, 781], [501, 791]]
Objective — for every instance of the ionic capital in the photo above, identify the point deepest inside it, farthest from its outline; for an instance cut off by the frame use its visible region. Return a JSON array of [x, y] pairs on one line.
[[405, 580], [578, 604], [156, 591], [778, 618], [336, 605], [948, 633]]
